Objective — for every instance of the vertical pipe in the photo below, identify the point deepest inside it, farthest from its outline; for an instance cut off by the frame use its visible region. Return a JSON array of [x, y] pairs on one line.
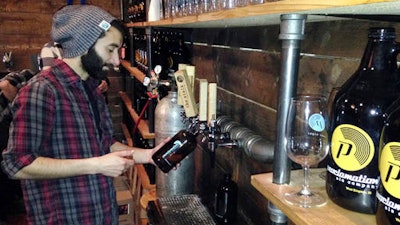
[[153, 103], [122, 7], [276, 216], [292, 32], [149, 52], [123, 4], [132, 47]]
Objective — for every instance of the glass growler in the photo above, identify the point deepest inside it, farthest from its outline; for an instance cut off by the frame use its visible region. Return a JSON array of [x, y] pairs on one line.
[[175, 150], [356, 123], [388, 194], [226, 201]]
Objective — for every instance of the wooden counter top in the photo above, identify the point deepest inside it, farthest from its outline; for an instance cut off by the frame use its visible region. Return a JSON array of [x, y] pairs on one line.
[[325, 215]]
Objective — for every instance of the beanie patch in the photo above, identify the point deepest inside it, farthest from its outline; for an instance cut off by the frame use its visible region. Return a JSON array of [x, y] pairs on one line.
[[105, 25]]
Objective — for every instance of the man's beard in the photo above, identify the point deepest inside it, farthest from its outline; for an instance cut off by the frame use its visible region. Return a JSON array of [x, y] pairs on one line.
[[94, 65]]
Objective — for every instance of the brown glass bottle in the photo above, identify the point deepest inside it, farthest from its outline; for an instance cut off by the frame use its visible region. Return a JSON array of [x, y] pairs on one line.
[[357, 121], [388, 194], [175, 150], [226, 201]]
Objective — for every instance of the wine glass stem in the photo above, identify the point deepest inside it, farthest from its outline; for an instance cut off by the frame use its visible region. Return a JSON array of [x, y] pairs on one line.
[[306, 186]]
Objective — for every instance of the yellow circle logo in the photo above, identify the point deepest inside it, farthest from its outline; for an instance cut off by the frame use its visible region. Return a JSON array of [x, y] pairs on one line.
[[389, 168], [352, 148]]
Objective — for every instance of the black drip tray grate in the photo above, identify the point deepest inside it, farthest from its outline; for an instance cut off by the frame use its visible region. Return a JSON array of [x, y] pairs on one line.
[[184, 210]]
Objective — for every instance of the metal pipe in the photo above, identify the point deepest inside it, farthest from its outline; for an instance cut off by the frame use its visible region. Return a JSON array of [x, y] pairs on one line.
[[152, 105], [292, 32], [131, 46], [252, 144], [276, 215], [123, 10]]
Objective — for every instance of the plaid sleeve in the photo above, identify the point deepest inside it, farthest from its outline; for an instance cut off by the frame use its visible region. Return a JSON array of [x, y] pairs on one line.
[[33, 112], [19, 79]]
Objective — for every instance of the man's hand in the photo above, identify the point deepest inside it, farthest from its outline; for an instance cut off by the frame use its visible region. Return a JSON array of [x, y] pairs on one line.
[[8, 90], [115, 163], [153, 150], [103, 86]]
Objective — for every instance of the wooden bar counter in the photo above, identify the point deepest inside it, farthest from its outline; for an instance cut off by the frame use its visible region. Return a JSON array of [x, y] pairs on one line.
[[325, 215]]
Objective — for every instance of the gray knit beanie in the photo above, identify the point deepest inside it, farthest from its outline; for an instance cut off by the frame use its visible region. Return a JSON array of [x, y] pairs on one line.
[[77, 28]]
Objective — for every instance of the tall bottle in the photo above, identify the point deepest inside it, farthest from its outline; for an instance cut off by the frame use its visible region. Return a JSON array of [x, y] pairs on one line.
[[357, 121], [175, 150], [226, 201], [388, 194]]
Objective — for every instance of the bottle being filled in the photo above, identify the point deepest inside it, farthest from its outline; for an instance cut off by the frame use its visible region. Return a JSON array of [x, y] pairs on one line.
[[226, 201], [176, 149], [388, 195], [357, 121]]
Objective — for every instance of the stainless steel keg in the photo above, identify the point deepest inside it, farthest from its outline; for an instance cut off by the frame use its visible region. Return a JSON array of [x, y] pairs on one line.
[[168, 121]]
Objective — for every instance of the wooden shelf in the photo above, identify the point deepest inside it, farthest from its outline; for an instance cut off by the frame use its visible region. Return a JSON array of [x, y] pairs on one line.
[[269, 13], [135, 72], [127, 135], [330, 214], [143, 126]]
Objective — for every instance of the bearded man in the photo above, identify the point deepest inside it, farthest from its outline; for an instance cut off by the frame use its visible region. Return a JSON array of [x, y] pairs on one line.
[[61, 142]]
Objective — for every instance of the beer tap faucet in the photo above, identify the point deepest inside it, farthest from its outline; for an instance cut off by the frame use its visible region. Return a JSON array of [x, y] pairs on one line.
[[216, 138]]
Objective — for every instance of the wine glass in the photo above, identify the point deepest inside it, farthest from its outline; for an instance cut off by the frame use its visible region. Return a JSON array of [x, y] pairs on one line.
[[307, 143]]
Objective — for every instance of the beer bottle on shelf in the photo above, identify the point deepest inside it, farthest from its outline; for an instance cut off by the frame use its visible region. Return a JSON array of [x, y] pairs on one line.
[[175, 150], [388, 194], [357, 121]]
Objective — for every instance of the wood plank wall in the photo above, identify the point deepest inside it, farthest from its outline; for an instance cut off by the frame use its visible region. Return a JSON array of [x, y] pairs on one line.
[[245, 62]]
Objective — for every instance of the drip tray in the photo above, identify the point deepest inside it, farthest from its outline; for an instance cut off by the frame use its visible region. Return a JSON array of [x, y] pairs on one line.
[[178, 210]]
